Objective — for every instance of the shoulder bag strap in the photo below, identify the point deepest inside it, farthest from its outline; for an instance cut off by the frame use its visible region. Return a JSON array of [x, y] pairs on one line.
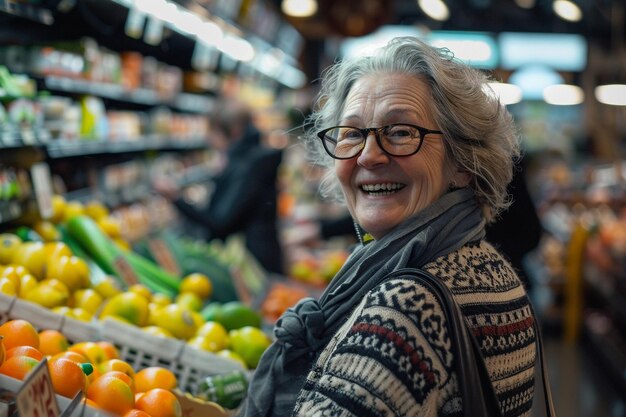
[[477, 393]]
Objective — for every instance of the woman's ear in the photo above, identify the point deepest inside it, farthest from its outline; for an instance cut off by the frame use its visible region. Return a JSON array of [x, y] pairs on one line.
[[462, 179]]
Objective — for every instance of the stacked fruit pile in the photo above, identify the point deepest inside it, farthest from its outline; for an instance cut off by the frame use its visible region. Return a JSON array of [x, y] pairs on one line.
[[78, 265], [93, 368]]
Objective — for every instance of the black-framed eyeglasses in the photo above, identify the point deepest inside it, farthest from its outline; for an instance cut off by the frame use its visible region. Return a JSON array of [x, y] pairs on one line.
[[400, 139]]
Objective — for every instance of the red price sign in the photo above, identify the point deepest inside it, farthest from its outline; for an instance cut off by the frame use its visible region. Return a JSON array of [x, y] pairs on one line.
[[36, 397]]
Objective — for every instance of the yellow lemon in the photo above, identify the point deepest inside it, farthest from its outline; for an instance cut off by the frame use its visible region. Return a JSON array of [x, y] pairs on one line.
[[47, 230], [87, 299], [110, 226], [14, 273], [189, 300], [129, 306], [229, 354], [32, 256], [81, 314], [73, 209], [203, 343], [57, 249], [27, 283], [181, 322], [214, 332], [108, 287], [9, 243], [47, 295], [157, 331], [7, 287], [141, 290], [161, 299], [96, 210], [71, 270], [58, 208], [198, 284]]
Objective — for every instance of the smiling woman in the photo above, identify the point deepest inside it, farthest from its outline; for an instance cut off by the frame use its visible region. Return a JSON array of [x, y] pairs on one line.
[[422, 154]]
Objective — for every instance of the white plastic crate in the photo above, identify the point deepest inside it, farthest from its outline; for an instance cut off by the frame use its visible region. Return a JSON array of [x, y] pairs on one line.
[[43, 318], [141, 349], [138, 348]]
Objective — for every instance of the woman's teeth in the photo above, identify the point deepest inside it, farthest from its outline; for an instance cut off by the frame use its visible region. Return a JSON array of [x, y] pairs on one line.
[[381, 189]]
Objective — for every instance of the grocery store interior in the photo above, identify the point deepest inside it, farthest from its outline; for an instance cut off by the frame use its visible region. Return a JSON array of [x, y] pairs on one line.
[[102, 99]]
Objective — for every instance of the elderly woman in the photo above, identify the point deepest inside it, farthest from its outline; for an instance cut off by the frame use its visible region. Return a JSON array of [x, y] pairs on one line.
[[422, 152]]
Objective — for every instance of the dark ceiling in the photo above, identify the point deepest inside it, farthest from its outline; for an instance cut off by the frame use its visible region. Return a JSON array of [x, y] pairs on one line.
[[603, 24], [603, 19]]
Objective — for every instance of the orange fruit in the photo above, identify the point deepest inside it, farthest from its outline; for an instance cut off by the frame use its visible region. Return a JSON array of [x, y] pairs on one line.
[[75, 356], [123, 376], [159, 402], [18, 366], [116, 365], [94, 353], [19, 332], [52, 342], [24, 351], [154, 377], [3, 350], [80, 359], [112, 394], [135, 412], [67, 377], [110, 350]]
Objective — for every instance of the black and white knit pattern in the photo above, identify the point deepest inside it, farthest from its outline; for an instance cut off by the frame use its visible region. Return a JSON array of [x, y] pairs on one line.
[[392, 357]]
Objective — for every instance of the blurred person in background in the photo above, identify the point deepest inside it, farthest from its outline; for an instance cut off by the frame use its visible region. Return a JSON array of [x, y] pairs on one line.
[[244, 197], [422, 153]]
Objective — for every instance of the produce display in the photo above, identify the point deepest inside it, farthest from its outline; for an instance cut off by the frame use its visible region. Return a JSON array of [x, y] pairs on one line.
[[78, 265], [94, 370]]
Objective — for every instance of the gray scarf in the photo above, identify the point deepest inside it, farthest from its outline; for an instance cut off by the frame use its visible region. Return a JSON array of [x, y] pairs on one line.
[[303, 330]]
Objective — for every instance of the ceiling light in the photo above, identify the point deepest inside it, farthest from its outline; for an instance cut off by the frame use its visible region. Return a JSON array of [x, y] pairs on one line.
[[613, 94], [506, 93], [563, 94], [435, 9], [533, 79], [299, 8], [567, 10], [237, 48]]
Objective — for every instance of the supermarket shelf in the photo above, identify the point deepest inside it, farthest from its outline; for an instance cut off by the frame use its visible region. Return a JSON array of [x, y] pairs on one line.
[[26, 11], [193, 103], [65, 148], [10, 139], [608, 349], [10, 210]]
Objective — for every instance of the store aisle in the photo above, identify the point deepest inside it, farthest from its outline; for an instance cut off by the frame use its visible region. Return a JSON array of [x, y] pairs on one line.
[[580, 387]]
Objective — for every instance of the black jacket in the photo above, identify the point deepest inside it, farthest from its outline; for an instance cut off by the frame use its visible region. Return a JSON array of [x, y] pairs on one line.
[[245, 200]]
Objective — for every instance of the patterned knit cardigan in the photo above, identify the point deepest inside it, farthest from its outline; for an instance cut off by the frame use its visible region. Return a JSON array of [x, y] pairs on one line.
[[392, 357]]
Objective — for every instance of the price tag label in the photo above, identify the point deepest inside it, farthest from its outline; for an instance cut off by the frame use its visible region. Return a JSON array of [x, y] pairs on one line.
[[36, 397], [164, 256], [42, 184], [125, 271]]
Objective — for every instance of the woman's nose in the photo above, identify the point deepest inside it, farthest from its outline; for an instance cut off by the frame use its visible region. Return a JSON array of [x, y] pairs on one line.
[[372, 154]]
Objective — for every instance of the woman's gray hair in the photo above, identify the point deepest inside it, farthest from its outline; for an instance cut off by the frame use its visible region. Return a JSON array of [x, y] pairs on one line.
[[480, 136]]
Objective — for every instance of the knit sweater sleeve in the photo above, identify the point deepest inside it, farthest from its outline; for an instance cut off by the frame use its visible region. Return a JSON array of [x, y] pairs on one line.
[[392, 358]]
